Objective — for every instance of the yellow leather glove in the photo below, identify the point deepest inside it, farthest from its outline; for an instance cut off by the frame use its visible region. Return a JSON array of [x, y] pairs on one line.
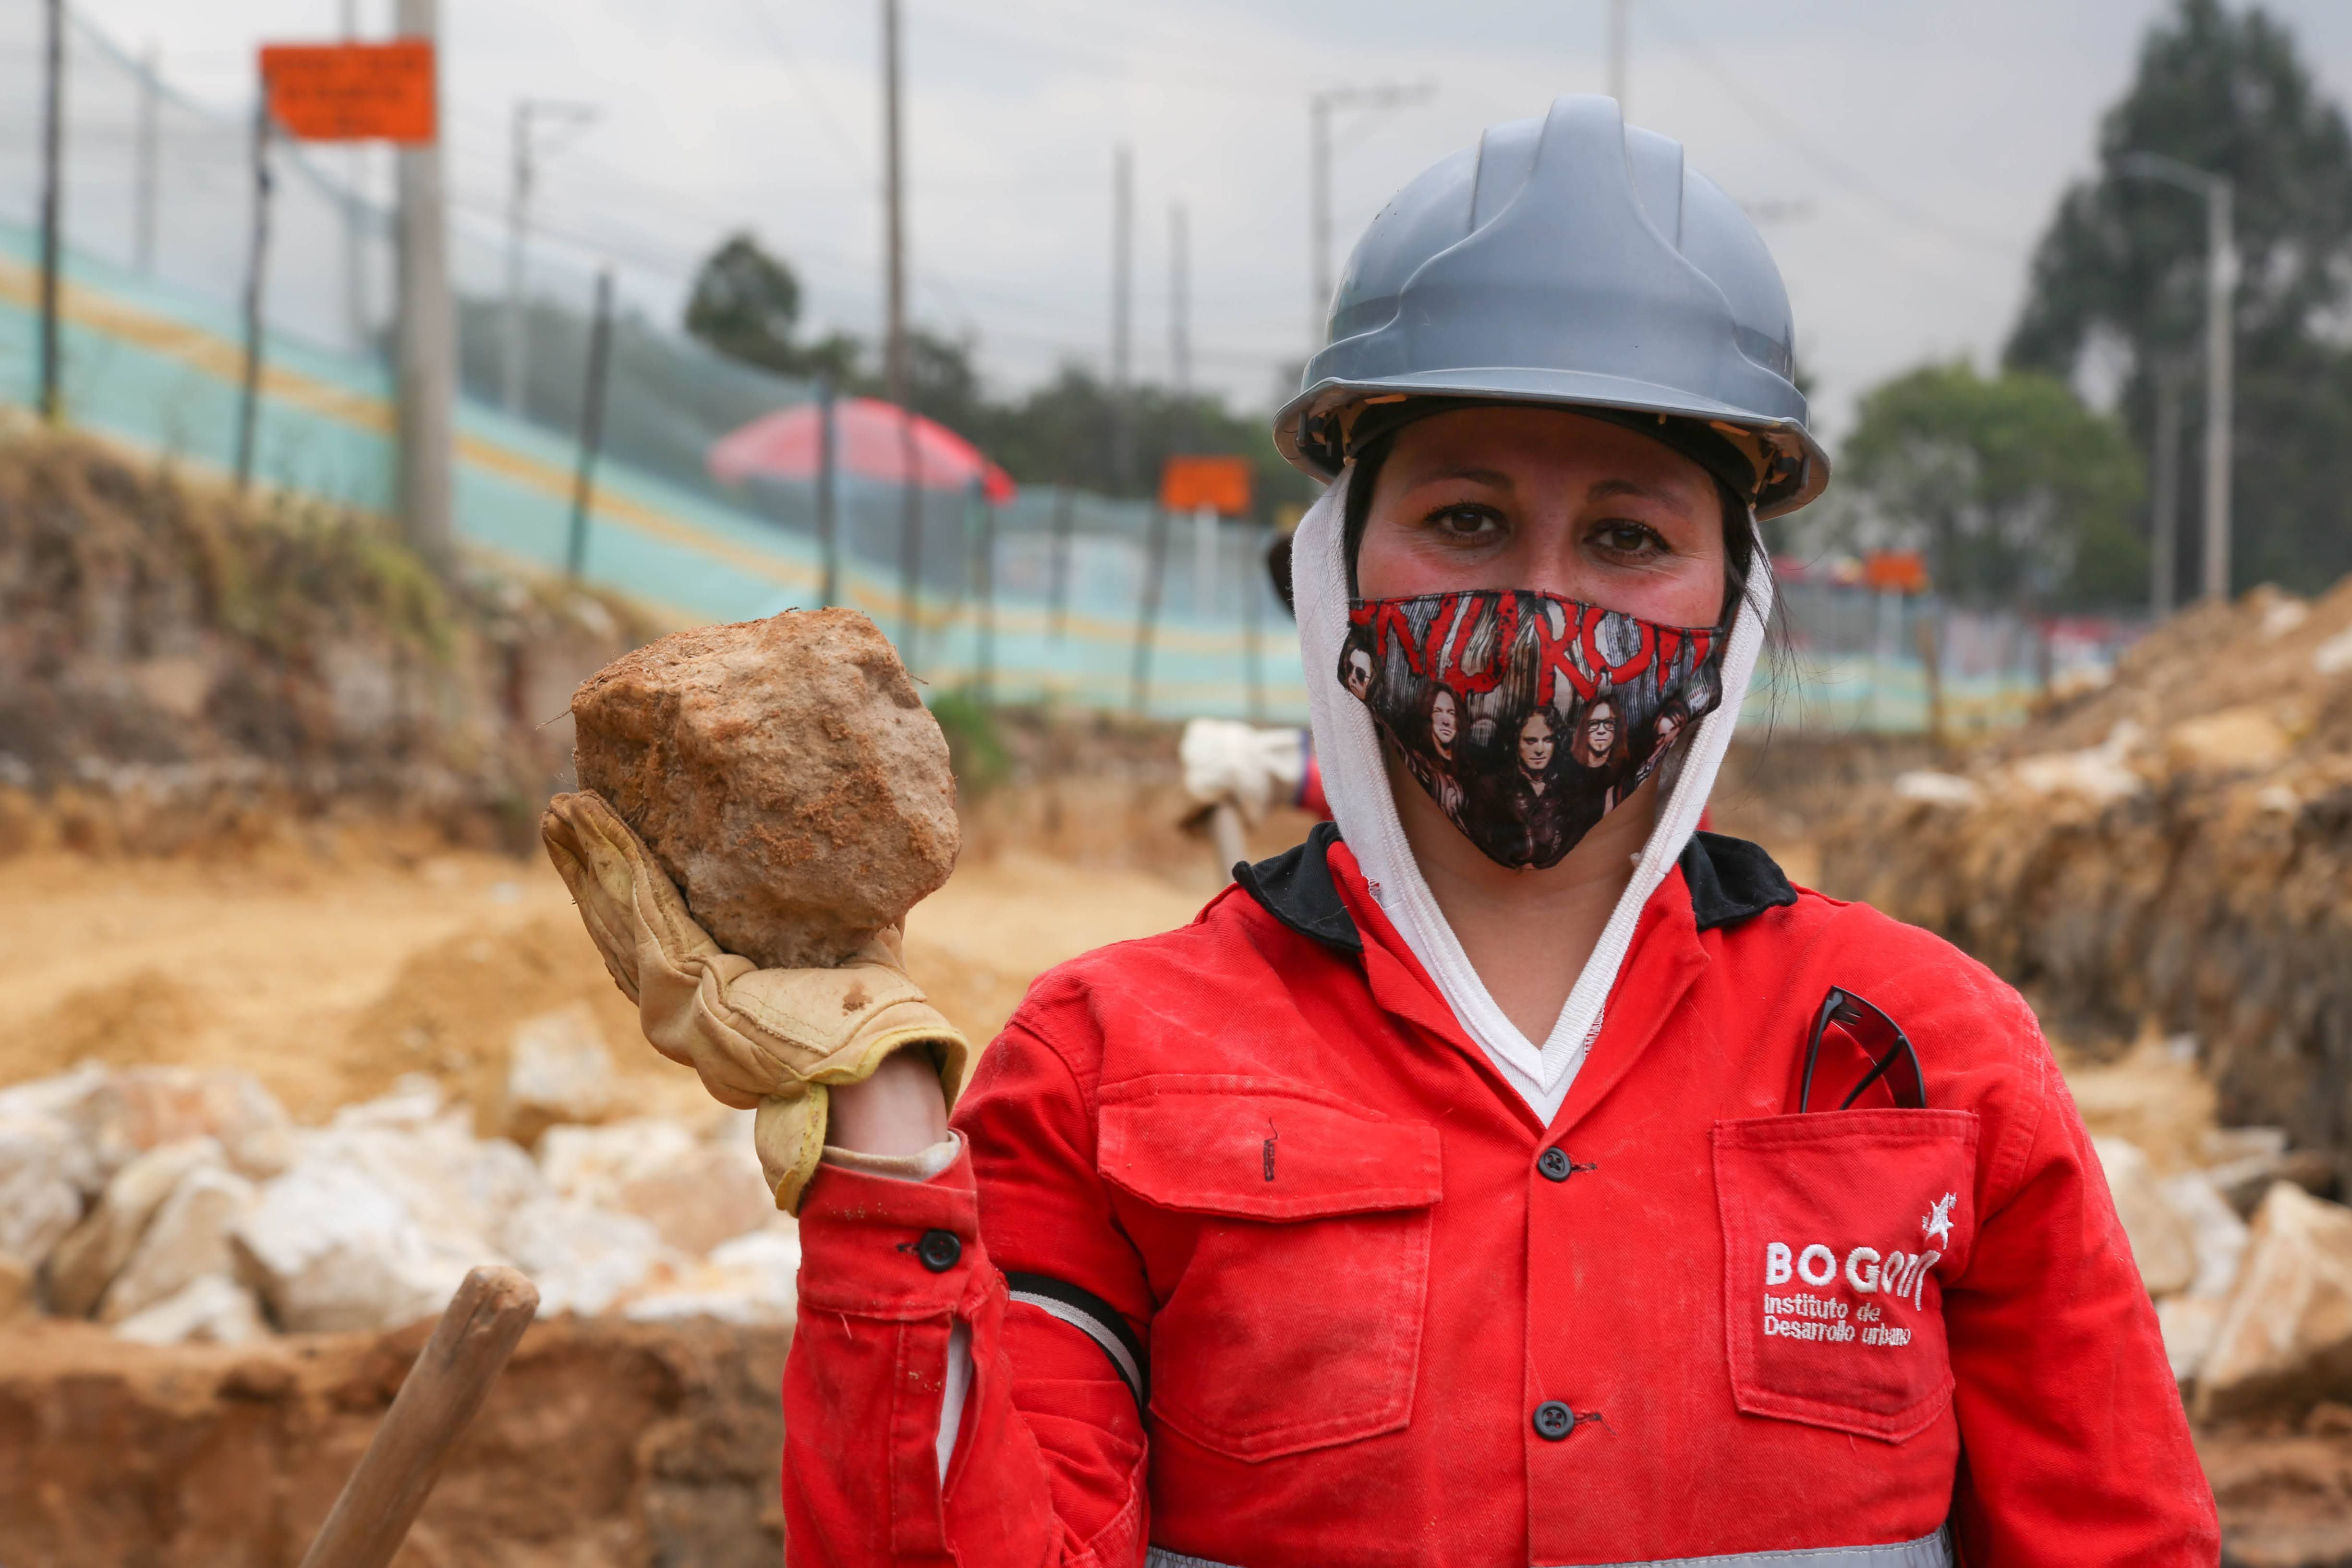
[[774, 1038]]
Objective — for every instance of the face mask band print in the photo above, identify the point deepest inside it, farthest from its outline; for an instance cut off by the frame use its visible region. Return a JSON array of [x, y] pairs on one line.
[[1879, 1040], [1525, 716]]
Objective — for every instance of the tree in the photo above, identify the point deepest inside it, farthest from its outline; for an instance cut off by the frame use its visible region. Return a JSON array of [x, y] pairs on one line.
[[2123, 267], [2012, 488], [746, 304]]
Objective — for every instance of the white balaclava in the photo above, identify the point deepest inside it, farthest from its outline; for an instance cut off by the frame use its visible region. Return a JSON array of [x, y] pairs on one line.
[[1348, 749]]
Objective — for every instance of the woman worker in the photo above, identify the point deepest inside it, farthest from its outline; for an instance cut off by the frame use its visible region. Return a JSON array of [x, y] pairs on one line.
[[1416, 1207]]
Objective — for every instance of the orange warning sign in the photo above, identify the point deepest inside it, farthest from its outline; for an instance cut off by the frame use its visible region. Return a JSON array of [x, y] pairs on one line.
[[1221, 484], [352, 92], [1896, 571]]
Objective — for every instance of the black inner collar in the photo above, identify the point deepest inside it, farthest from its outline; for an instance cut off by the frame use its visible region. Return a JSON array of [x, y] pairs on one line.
[[1730, 881]]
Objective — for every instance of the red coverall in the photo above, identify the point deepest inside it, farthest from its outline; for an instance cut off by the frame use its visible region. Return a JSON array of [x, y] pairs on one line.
[[1391, 1318]]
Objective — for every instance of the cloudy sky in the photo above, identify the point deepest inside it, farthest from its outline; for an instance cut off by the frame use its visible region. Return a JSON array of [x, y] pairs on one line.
[[1902, 155]]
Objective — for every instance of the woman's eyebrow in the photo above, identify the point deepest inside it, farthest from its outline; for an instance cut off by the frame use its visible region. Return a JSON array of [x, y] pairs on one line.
[[1609, 490], [1493, 479]]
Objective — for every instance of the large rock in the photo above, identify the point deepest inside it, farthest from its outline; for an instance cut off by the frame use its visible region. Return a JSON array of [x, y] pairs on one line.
[[785, 772], [188, 1241], [425, 1154], [559, 1069], [329, 1248], [212, 1309], [2163, 1243], [592, 1165], [2285, 1341], [138, 1108], [86, 1261], [696, 1192], [2189, 1324], [754, 1279], [45, 1172], [2216, 1236], [67, 1096], [584, 1259]]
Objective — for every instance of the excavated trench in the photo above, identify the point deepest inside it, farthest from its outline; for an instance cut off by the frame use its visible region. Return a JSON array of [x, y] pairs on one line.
[[2171, 854]]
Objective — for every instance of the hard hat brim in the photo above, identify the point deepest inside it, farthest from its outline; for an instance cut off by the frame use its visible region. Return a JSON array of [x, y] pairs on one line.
[[1561, 389]]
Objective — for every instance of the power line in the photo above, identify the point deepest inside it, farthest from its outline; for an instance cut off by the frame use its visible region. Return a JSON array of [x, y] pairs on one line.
[[1827, 162], [835, 128]]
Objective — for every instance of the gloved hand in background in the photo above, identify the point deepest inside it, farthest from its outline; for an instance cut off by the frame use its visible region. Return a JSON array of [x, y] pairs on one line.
[[1252, 769], [774, 1038]]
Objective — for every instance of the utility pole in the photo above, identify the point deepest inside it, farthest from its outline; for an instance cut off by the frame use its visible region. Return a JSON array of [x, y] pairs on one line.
[[1621, 27], [2220, 286], [515, 358], [591, 426], [1180, 302], [894, 233], [53, 111], [1319, 203], [257, 274], [356, 311], [1319, 105], [143, 154], [2164, 514], [425, 367], [894, 367], [1122, 303]]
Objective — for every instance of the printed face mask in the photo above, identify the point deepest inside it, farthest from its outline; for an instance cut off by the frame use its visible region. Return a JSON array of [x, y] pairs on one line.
[[1524, 715]]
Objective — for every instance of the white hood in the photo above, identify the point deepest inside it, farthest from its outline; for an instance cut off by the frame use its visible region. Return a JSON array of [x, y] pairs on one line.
[[1347, 748]]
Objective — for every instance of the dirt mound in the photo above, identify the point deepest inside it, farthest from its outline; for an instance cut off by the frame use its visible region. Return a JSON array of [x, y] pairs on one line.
[[451, 1012], [603, 1443], [2171, 854], [180, 667]]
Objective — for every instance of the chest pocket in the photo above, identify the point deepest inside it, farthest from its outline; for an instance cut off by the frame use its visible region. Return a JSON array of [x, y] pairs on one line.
[[1839, 1231], [1296, 1321]]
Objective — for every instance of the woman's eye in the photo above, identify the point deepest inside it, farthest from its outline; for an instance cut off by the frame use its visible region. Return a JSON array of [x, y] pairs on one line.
[[1466, 524], [1628, 539]]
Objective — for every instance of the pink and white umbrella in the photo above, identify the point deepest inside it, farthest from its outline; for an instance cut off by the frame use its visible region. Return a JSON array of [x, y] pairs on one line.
[[870, 441]]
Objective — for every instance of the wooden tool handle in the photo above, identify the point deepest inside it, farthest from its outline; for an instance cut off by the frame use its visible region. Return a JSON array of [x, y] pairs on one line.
[[452, 1375]]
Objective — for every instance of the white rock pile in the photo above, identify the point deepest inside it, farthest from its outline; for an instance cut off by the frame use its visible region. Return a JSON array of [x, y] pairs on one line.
[[2256, 1319], [182, 1204]]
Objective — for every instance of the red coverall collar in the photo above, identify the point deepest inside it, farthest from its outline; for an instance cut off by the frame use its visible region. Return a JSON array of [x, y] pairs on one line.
[[1664, 957]]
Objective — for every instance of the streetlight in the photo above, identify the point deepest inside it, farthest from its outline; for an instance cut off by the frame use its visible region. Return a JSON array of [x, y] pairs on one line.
[[527, 113], [2221, 280], [1319, 105]]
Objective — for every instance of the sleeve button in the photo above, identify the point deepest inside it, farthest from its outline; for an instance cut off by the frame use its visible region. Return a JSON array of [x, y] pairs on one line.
[[1554, 1420], [938, 1249]]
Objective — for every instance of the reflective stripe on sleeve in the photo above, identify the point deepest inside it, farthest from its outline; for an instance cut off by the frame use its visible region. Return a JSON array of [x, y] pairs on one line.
[[1927, 1551], [1095, 1318]]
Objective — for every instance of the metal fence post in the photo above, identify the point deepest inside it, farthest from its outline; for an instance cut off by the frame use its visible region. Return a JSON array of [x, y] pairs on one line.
[[249, 408], [828, 523], [984, 562], [1057, 565], [53, 114], [592, 425], [1253, 587], [1147, 616]]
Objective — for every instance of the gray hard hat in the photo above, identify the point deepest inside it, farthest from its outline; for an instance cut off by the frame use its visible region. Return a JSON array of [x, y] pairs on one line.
[[1572, 261]]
